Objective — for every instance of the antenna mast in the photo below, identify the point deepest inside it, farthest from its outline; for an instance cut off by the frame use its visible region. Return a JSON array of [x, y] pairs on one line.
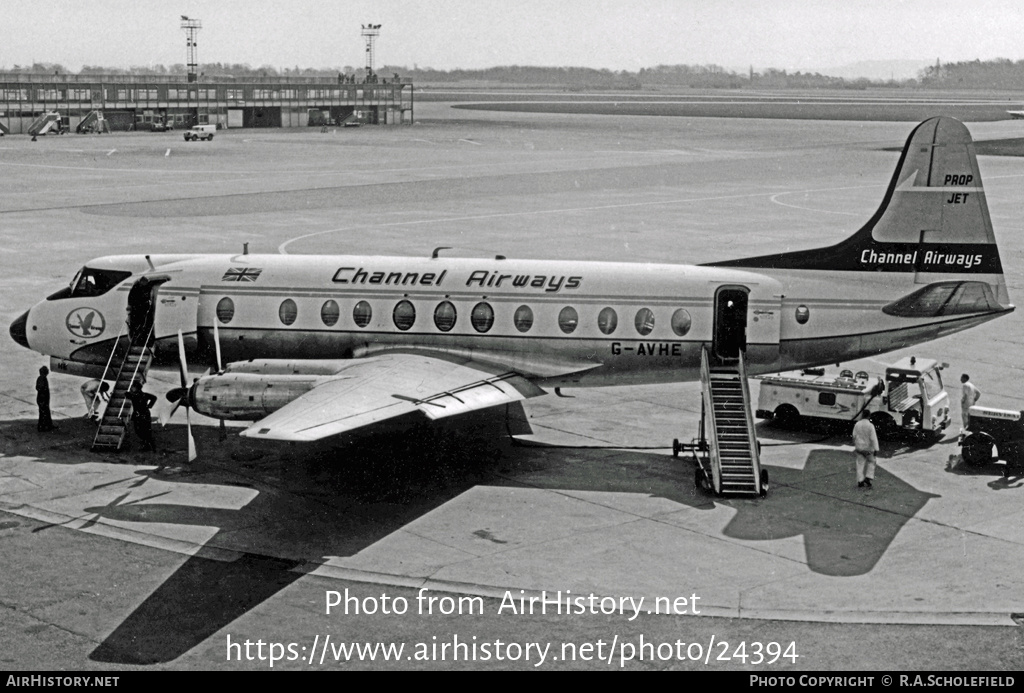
[[191, 27], [370, 34]]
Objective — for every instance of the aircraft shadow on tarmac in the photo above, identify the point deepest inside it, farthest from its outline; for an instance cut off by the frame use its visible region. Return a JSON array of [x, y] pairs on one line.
[[317, 502]]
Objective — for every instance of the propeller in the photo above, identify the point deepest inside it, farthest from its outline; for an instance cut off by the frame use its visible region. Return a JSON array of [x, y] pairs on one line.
[[179, 395]]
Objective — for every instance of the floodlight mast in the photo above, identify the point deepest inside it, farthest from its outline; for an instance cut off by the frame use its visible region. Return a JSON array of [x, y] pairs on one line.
[[191, 27], [370, 34]]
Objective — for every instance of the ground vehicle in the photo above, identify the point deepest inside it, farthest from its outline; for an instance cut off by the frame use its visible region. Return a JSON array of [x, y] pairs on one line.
[[995, 428], [200, 132], [909, 399]]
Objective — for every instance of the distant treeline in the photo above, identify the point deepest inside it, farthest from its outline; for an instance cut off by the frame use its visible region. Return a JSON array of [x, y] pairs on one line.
[[989, 74]]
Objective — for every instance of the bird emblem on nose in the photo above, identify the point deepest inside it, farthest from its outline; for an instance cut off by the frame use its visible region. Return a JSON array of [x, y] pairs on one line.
[[85, 322]]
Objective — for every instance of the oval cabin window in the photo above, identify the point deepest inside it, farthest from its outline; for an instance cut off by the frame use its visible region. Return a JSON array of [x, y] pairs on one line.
[[803, 314], [523, 318], [362, 313], [644, 321], [225, 310], [681, 322], [445, 316], [404, 315], [288, 311], [329, 313], [568, 319], [482, 317], [607, 321]]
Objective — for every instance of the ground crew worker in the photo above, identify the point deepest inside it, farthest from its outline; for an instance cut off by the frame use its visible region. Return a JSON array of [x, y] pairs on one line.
[[969, 394], [43, 400], [94, 392], [142, 420], [865, 445]]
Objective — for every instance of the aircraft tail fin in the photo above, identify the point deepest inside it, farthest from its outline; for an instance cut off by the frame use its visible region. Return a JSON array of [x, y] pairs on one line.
[[933, 221]]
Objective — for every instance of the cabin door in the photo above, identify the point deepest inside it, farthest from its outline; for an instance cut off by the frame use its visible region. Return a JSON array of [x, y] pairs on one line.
[[730, 332]]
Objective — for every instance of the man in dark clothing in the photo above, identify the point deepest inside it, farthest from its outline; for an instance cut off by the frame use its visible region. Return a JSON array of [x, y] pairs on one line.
[[142, 421], [43, 400]]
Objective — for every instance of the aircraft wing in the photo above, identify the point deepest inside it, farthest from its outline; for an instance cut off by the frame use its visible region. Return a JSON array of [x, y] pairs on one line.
[[375, 388]]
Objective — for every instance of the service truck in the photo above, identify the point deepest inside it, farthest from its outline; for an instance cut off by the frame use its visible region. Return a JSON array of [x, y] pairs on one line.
[[200, 132], [995, 429], [909, 398]]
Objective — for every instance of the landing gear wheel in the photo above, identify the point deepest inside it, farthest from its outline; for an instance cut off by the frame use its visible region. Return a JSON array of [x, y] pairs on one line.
[[675, 447], [764, 483]]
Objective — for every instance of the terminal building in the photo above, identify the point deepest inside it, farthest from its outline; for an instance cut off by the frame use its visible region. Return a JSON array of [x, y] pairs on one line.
[[103, 103]]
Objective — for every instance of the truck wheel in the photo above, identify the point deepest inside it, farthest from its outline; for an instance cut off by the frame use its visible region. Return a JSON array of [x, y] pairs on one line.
[[675, 447], [210, 138], [977, 449], [786, 415], [884, 424]]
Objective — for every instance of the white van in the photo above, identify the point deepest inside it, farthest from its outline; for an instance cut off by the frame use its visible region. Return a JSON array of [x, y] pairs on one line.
[[200, 132]]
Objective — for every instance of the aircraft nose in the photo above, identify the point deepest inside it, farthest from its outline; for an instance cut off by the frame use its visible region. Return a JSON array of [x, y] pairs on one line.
[[19, 330]]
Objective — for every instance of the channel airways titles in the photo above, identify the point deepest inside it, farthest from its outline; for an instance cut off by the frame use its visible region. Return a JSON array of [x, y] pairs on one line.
[[480, 278]]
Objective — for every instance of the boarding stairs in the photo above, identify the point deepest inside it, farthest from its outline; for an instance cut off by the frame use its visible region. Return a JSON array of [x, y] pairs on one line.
[[132, 364], [735, 467], [46, 123]]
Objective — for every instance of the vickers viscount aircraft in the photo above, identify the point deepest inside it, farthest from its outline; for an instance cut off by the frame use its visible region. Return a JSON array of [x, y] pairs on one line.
[[318, 345]]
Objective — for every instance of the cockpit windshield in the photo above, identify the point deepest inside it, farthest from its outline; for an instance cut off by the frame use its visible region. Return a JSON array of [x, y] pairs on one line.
[[91, 282]]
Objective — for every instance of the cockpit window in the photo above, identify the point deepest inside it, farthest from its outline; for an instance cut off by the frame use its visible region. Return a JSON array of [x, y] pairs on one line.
[[93, 282], [945, 298]]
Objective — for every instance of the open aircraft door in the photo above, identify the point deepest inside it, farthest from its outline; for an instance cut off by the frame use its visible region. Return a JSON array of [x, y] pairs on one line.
[[175, 308], [748, 319]]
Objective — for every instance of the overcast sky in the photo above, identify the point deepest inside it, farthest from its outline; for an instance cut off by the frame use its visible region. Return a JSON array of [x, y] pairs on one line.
[[447, 34]]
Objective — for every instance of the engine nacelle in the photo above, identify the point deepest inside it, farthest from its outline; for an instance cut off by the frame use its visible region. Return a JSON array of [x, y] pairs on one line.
[[247, 396]]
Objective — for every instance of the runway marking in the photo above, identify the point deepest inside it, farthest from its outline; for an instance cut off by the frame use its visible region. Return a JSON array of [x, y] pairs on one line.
[[774, 198], [283, 247], [470, 142], [168, 153], [111, 152]]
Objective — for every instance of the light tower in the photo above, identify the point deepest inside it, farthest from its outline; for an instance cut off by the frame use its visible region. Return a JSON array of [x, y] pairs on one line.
[[191, 27], [370, 34]]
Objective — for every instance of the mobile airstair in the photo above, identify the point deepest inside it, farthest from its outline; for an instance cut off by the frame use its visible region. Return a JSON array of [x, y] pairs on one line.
[[93, 122], [131, 359], [726, 453], [48, 122]]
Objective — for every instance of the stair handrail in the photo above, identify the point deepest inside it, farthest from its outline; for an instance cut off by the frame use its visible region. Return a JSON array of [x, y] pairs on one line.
[[752, 437], [138, 364], [711, 429], [106, 368]]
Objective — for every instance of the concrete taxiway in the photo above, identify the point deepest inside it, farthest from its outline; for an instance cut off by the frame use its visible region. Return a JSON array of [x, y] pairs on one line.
[[105, 549]]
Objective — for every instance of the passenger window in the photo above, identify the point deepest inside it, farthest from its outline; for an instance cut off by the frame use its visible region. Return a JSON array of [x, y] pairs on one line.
[[445, 316], [482, 317], [607, 321], [568, 319], [681, 322], [288, 311], [644, 321], [803, 314], [225, 310], [329, 313], [523, 318], [404, 315], [362, 314]]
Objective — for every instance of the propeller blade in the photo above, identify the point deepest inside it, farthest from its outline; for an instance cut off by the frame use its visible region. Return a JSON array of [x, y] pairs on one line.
[[183, 370], [166, 415], [216, 345], [191, 440], [182, 363]]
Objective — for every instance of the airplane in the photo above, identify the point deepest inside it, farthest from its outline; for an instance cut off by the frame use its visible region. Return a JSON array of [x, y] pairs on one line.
[[316, 345]]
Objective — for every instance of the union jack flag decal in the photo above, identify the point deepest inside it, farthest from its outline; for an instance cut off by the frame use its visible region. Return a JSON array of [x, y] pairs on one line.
[[242, 274]]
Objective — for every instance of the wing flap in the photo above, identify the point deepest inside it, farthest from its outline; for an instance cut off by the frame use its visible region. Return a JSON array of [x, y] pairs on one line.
[[381, 387]]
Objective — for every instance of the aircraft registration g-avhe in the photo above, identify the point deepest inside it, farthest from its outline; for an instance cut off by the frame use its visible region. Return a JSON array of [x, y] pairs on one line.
[[319, 345]]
